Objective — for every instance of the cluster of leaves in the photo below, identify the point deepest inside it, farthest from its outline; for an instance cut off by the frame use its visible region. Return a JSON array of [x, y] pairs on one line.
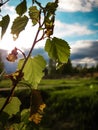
[[26, 118], [30, 69]]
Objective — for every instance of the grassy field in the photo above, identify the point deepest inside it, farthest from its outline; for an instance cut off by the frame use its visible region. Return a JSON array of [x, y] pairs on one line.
[[67, 82], [72, 104], [79, 86], [72, 86]]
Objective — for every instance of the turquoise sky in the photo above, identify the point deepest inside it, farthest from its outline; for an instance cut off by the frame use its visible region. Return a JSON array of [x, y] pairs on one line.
[[77, 23], [87, 18]]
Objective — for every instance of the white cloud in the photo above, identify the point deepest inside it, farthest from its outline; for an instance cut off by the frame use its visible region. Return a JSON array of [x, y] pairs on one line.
[[84, 52], [6, 9], [26, 37], [96, 24], [64, 30], [82, 44], [77, 5], [87, 60], [24, 41]]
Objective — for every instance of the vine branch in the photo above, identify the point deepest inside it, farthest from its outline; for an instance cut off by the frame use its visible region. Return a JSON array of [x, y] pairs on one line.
[[2, 3], [20, 71]]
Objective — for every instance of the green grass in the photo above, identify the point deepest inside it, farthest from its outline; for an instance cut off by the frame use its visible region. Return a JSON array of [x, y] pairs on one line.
[[68, 82], [72, 104], [61, 84], [70, 86]]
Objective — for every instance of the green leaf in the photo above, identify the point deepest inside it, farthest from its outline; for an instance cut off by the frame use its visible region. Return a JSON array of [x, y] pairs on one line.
[[33, 70], [19, 25], [4, 118], [34, 14], [13, 107], [21, 8], [4, 24], [25, 115], [51, 7], [58, 49], [18, 126]]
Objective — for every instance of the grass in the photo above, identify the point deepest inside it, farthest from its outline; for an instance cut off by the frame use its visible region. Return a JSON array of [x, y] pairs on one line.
[[81, 85], [72, 104], [60, 84], [68, 88]]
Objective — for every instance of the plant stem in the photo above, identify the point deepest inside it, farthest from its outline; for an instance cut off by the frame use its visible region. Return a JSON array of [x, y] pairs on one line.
[[20, 72], [2, 3], [22, 53]]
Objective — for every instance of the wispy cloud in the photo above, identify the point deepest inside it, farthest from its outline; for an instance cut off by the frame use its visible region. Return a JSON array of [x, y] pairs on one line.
[[77, 5], [63, 29]]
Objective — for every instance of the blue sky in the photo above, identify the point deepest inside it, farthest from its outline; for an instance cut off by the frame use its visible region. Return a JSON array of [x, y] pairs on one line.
[[76, 22]]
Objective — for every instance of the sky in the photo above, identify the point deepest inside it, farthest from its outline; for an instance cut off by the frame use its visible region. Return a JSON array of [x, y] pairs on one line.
[[76, 22]]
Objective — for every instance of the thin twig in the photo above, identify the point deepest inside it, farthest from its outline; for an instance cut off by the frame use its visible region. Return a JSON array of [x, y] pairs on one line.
[[20, 72], [22, 53], [39, 4], [2, 3]]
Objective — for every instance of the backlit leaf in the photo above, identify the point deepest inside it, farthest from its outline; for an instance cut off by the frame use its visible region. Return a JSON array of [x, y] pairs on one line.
[[58, 49], [51, 7], [25, 115], [34, 14], [21, 8], [33, 70], [12, 107], [19, 25], [4, 24]]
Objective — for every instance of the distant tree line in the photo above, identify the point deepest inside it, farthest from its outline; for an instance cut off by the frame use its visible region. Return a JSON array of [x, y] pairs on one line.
[[69, 70], [65, 70]]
